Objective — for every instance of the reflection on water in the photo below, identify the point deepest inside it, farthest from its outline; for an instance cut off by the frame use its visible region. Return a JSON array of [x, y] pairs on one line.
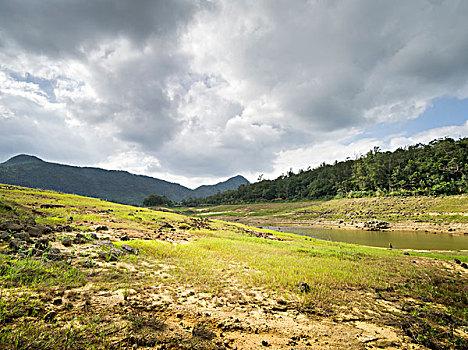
[[399, 240]]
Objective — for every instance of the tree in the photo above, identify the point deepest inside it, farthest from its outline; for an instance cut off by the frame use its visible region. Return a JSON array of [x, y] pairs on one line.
[[155, 199]]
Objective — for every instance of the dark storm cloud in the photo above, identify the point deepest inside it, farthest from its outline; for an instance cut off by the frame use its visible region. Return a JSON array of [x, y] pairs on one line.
[[200, 88], [62, 28]]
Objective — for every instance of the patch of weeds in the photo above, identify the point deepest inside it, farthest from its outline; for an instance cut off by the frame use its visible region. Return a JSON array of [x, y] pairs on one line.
[[38, 336], [37, 272], [16, 305], [139, 321]]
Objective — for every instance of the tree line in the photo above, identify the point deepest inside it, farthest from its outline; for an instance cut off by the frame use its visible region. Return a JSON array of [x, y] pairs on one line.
[[437, 168]]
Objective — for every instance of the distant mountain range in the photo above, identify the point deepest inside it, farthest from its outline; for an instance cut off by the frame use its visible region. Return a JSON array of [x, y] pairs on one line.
[[112, 185]]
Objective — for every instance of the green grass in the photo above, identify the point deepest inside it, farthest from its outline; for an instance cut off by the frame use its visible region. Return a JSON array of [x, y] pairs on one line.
[[223, 259], [447, 209]]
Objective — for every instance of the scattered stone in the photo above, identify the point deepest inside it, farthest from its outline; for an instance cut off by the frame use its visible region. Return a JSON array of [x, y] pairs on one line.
[[265, 343], [67, 242], [63, 228], [57, 301], [405, 253], [22, 236], [457, 261], [112, 255], [87, 264], [166, 225], [376, 225], [51, 206], [42, 243], [202, 331], [124, 238], [93, 235], [128, 249], [49, 317], [464, 265], [11, 226], [79, 239], [5, 236], [34, 231], [304, 287], [16, 244], [54, 250], [101, 228]]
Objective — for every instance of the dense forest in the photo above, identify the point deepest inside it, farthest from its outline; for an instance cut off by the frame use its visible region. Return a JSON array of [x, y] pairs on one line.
[[440, 167]]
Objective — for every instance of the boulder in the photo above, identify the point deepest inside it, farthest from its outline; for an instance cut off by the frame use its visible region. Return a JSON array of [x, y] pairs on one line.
[[11, 226], [5, 236], [17, 244], [128, 249], [38, 230], [67, 242], [23, 236], [42, 244]]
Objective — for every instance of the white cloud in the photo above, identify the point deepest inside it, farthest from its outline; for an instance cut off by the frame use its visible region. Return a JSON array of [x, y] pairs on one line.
[[199, 90]]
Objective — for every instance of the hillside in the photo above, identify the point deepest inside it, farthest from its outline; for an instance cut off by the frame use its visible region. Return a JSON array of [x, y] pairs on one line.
[[81, 273], [438, 168], [111, 185]]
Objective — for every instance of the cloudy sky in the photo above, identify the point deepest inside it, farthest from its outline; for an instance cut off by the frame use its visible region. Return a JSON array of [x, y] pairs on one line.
[[197, 91]]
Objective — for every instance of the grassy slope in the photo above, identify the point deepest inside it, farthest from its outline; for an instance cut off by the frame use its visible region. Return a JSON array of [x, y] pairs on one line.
[[223, 260], [432, 213]]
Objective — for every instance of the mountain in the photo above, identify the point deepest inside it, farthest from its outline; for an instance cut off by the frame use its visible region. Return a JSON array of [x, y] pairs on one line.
[[209, 190], [112, 185]]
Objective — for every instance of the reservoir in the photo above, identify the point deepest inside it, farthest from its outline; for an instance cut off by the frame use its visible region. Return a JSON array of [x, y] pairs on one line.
[[398, 239]]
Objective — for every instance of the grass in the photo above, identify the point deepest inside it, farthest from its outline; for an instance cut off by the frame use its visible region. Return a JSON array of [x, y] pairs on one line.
[[447, 209], [225, 260]]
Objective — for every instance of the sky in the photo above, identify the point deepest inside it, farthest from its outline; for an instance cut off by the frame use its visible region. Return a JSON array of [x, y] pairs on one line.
[[198, 91]]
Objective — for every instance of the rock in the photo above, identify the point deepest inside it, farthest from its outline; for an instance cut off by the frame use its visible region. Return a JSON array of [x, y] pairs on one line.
[[87, 264], [38, 230], [464, 265], [17, 244], [57, 301], [56, 257], [5, 236], [112, 255], [265, 343], [79, 239], [457, 261], [101, 228], [54, 250], [376, 225], [63, 228], [67, 242], [405, 253], [22, 236], [202, 331], [11, 226], [51, 206], [304, 287], [124, 238], [93, 235], [128, 249], [49, 317], [42, 244]]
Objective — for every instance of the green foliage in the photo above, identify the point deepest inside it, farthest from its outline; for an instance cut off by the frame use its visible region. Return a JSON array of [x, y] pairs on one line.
[[154, 200], [438, 168]]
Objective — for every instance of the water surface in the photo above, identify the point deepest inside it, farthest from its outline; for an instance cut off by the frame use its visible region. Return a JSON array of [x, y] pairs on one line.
[[398, 239]]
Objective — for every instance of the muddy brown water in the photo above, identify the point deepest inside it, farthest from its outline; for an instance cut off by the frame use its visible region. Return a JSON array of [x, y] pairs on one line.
[[398, 239]]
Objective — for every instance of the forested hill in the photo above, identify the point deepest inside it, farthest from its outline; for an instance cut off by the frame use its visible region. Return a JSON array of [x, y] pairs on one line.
[[111, 185], [440, 167]]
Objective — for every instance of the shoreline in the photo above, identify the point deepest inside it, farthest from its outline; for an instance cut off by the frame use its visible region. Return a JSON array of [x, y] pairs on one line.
[[456, 229]]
